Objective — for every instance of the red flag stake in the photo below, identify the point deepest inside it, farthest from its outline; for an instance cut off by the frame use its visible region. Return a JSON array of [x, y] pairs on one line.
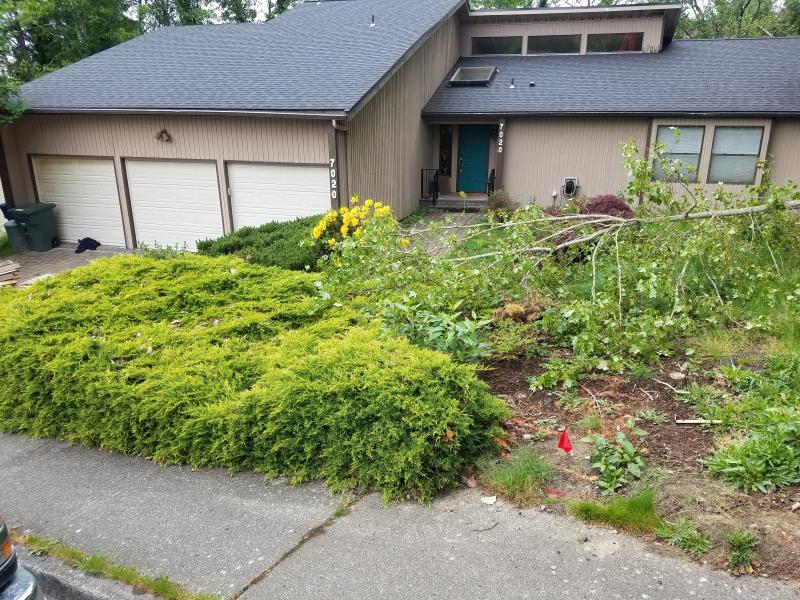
[[564, 442]]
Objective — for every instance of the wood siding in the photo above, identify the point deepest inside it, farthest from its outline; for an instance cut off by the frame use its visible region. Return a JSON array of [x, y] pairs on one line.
[[784, 148], [652, 27], [246, 139], [388, 143], [540, 153]]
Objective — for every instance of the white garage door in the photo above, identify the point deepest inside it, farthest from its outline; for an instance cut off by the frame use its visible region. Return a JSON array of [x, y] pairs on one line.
[[174, 203], [84, 191], [263, 193]]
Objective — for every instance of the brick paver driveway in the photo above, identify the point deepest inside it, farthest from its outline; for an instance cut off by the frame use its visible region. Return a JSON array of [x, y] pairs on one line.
[[36, 264]]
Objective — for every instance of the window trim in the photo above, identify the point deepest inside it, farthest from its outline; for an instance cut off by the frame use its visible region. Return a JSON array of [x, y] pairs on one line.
[[528, 37], [489, 37], [698, 172], [757, 156], [590, 34]]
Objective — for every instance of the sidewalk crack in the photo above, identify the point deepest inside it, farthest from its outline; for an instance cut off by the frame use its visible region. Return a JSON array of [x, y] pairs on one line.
[[346, 503]]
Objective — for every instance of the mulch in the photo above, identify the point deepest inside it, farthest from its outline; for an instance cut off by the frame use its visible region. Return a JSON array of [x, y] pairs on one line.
[[614, 399]]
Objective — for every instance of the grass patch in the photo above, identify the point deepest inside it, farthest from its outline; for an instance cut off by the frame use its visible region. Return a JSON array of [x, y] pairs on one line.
[[636, 514], [742, 552], [288, 245], [214, 362], [519, 477], [98, 565], [684, 534]]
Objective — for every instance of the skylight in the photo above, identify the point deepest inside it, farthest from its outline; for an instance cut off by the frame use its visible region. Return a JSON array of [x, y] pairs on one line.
[[473, 76]]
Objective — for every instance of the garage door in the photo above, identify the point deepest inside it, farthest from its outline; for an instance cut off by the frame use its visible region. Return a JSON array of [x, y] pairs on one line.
[[263, 193], [84, 191], [174, 203]]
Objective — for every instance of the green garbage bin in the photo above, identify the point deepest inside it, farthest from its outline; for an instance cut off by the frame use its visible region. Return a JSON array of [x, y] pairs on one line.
[[16, 237], [38, 222]]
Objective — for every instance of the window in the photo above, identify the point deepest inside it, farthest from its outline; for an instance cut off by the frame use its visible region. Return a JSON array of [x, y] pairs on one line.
[[554, 44], [683, 145], [734, 154], [614, 42], [473, 76], [445, 150], [497, 45]]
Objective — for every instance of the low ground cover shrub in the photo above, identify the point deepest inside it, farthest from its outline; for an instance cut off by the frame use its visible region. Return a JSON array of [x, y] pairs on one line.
[[216, 362], [286, 244]]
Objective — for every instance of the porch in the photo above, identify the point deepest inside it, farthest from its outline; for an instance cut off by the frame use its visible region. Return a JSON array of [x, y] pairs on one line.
[[469, 162]]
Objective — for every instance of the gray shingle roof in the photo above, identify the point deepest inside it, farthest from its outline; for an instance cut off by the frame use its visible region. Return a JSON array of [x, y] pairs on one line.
[[728, 76], [318, 56]]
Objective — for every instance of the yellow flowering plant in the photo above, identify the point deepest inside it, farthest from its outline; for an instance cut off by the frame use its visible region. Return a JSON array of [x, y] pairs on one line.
[[349, 222]]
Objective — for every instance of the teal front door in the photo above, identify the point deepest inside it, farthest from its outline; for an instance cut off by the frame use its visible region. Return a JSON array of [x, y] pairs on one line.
[[473, 158]]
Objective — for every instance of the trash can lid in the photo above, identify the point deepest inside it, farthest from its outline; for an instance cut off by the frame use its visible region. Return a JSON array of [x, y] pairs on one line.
[[33, 208]]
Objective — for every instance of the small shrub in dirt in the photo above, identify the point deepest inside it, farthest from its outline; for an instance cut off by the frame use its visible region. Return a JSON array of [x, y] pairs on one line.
[[519, 477], [683, 534], [501, 204], [287, 245], [742, 552], [636, 514], [618, 462], [510, 340], [607, 204]]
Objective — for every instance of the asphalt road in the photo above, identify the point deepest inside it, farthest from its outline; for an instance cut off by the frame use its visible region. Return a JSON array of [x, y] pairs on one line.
[[228, 535]]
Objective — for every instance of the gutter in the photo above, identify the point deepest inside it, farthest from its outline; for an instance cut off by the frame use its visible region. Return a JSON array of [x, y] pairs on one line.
[[288, 114], [448, 117]]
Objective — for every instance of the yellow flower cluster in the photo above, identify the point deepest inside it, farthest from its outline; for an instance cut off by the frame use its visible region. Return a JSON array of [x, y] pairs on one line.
[[349, 221]]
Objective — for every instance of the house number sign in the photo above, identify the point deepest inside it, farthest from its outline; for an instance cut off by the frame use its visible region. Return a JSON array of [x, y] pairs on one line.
[[501, 134], [334, 179]]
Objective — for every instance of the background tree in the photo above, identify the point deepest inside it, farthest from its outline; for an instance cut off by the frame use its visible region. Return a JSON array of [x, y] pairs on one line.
[[237, 11]]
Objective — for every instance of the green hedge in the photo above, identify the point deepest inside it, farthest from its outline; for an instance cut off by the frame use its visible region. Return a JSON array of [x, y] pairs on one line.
[[217, 363], [288, 245]]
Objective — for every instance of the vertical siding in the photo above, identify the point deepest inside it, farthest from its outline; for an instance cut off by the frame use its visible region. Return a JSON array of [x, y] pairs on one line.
[[540, 153], [784, 147], [250, 139], [652, 27], [388, 143]]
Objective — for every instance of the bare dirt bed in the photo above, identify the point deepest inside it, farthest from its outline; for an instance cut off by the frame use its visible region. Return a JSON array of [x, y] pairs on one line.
[[673, 451]]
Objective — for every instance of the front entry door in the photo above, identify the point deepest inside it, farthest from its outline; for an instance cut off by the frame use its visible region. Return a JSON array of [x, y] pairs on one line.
[[473, 158]]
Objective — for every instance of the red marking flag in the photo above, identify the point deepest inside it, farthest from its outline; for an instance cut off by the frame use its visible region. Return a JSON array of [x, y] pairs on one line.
[[564, 442]]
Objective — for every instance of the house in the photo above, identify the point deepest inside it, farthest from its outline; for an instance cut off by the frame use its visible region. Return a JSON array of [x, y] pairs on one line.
[[186, 133]]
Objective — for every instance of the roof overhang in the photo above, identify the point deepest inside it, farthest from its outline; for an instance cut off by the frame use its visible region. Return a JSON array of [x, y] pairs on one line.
[[669, 10], [279, 114], [434, 117]]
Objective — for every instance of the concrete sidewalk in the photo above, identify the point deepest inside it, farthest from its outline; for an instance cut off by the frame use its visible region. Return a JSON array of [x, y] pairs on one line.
[[229, 535]]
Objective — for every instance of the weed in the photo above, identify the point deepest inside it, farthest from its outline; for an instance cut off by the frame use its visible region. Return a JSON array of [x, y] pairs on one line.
[[100, 566], [5, 247], [510, 339], [592, 423], [640, 371], [636, 514], [743, 546], [619, 462], [683, 534], [519, 477], [569, 400], [653, 416]]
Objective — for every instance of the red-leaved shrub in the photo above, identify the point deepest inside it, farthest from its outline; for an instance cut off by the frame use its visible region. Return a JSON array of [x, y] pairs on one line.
[[607, 204]]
